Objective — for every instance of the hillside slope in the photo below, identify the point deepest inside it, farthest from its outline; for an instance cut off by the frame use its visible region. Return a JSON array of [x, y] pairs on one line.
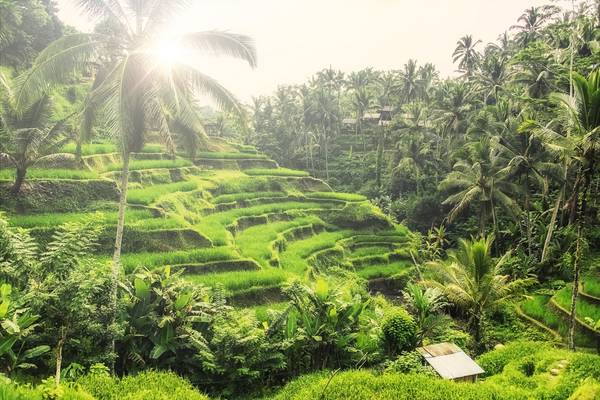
[[231, 217]]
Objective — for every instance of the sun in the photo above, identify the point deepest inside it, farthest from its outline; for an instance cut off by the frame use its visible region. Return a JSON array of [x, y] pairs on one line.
[[168, 52]]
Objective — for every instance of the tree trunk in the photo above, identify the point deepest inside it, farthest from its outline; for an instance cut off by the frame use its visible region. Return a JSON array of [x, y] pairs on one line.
[[59, 348], [19, 179], [116, 265], [575, 292], [326, 161], [551, 227]]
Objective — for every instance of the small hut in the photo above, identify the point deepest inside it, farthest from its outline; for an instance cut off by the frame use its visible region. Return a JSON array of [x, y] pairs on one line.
[[450, 362]]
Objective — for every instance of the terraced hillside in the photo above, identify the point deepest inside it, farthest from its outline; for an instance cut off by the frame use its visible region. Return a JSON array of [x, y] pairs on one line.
[[550, 312], [231, 217]]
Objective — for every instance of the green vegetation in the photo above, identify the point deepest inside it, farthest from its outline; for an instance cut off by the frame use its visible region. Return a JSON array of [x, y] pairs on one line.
[[275, 172], [229, 155], [150, 194], [136, 165], [47, 173]]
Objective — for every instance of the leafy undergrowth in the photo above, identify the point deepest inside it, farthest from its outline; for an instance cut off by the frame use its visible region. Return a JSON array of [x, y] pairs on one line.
[[521, 370]]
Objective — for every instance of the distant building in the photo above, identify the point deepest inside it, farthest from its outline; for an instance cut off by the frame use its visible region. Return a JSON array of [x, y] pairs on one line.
[[450, 362]]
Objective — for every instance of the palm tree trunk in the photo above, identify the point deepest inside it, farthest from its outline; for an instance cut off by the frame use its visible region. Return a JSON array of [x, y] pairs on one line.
[[19, 179], [59, 348], [551, 227], [116, 265], [575, 291]]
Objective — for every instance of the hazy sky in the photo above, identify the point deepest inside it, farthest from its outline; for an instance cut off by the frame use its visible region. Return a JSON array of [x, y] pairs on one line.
[[296, 38]]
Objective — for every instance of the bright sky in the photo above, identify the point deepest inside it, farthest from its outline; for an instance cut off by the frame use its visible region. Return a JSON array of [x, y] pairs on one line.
[[296, 38]]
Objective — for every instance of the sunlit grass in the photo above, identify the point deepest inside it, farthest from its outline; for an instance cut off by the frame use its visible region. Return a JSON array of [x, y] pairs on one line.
[[336, 196], [50, 173], [214, 225], [151, 260], [262, 311], [105, 148], [136, 165], [236, 281], [228, 198], [255, 241], [275, 172], [229, 155], [149, 194], [584, 308], [384, 270], [55, 219], [369, 251]]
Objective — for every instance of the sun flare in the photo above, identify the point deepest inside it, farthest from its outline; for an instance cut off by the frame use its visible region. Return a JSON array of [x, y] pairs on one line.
[[166, 53]]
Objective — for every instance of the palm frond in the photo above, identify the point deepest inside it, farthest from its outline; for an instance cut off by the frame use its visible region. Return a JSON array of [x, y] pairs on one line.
[[220, 43], [55, 65]]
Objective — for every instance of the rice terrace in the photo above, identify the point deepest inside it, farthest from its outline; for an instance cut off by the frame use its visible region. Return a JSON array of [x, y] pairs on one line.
[[299, 200]]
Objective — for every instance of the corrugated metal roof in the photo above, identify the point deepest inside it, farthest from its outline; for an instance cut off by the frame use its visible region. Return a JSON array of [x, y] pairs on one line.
[[449, 361]]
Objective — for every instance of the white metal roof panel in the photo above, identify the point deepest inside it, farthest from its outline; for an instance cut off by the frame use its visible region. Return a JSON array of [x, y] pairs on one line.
[[454, 366]]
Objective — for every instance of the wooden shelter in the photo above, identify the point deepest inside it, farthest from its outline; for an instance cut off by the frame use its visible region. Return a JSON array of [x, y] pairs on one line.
[[450, 362]]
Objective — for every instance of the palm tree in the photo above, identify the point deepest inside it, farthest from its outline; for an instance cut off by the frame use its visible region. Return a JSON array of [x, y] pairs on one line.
[[579, 148], [466, 55], [27, 136], [476, 181], [471, 280], [531, 23], [144, 83], [492, 77], [409, 81]]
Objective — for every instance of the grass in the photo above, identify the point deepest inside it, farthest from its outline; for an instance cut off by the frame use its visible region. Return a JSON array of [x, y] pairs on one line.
[[591, 285], [152, 260], [293, 258], [50, 173], [537, 308], [105, 148], [136, 165], [55, 219], [275, 172], [336, 196], [229, 155], [255, 241], [384, 270], [149, 194], [229, 198], [369, 251], [584, 308], [214, 225], [262, 311], [237, 281]]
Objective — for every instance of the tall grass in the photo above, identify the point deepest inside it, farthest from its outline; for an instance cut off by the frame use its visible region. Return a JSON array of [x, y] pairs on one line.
[[50, 173], [136, 165], [228, 198], [584, 308], [369, 251], [105, 148], [384, 270], [293, 258], [214, 225], [149, 194], [151, 260], [275, 172], [229, 155], [237, 281], [337, 196], [255, 242], [591, 285], [55, 219]]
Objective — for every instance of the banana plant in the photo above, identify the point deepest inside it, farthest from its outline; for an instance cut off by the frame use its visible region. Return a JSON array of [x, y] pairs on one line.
[[16, 324]]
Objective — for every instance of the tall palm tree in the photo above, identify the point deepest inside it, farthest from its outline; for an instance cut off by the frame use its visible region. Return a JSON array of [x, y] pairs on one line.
[[579, 145], [466, 55], [409, 81], [471, 279], [531, 23], [143, 85], [425, 305], [476, 181]]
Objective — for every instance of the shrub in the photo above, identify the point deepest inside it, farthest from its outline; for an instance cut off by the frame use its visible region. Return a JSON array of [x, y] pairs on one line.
[[148, 385], [399, 331]]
